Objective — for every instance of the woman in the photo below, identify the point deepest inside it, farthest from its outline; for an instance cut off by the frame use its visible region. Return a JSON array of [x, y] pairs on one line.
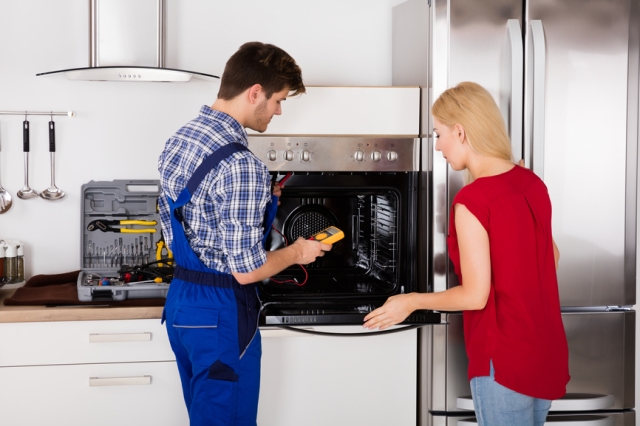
[[503, 252]]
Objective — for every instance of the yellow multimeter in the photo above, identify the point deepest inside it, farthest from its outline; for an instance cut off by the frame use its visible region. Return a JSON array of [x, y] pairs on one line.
[[329, 235]]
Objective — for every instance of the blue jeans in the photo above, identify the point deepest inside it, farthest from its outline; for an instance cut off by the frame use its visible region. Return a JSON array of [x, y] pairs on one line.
[[496, 405]]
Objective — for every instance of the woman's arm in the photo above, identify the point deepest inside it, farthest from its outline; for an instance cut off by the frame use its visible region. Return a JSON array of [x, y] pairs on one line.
[[475, 265], [556, 253]]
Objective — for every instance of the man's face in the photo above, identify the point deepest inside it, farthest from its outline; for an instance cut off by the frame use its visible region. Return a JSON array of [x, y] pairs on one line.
[[266, 109]]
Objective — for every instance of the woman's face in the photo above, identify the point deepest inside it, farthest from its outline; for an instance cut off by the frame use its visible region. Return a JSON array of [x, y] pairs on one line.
[[449, 141]]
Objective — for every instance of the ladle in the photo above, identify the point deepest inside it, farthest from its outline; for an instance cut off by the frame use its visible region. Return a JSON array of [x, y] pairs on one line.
[[26, 192], [5, 203], [53, 192]]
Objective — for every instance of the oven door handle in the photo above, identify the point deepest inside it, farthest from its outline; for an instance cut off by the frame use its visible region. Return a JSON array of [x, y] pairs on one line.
[[311, 331]]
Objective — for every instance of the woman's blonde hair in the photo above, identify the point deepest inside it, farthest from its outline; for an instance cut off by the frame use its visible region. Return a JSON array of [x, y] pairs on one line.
[[473, 107]]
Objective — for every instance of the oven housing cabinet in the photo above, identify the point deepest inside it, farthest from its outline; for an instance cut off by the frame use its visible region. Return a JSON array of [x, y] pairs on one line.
[[565, 76]]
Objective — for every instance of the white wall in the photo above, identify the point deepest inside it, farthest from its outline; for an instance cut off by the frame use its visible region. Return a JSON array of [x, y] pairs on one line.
[[120, 128]]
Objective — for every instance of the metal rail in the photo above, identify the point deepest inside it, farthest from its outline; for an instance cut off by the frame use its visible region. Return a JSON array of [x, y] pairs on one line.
[[69, 113]]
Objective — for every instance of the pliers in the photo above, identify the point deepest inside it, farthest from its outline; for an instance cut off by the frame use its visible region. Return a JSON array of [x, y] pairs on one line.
[[160, 247], [109, 226]]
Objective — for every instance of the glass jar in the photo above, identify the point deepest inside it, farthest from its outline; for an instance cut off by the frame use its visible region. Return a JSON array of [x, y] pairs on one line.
[[19, 261], [3, 279], [10, 263]]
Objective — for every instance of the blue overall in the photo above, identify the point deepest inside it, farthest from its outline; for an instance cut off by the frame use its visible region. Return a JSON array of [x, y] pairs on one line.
[[212, 323]]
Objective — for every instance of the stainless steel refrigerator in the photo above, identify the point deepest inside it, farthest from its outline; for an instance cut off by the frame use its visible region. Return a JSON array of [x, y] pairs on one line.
[[565, 75]]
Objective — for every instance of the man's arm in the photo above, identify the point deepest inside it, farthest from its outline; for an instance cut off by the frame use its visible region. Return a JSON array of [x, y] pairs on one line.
[[300, 252]]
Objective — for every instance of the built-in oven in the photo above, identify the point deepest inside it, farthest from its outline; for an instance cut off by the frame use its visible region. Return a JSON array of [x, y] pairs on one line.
[[368, 188]]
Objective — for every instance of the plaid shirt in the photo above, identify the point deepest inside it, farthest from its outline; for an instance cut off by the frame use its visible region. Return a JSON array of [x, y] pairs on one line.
[[223, 222]]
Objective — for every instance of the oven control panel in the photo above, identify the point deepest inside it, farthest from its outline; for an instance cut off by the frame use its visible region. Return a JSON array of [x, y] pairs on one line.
[[358, 154]]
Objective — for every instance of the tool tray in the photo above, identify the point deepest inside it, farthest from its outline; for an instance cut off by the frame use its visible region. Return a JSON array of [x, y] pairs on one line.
[[120, 233]]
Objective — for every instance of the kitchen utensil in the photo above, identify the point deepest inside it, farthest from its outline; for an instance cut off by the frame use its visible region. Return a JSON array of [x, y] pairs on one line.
[[53, 192], [26, 193], [5, 200]]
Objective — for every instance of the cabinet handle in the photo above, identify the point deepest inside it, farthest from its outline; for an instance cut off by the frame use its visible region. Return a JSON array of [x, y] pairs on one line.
[[119, 337], [119, 381]]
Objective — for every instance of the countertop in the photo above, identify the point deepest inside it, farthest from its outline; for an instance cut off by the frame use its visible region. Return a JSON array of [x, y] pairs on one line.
[[72, 313]]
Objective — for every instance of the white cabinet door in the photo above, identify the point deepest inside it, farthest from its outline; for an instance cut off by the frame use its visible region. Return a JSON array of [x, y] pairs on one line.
[[79, 342], [320, 380], [92, 394]]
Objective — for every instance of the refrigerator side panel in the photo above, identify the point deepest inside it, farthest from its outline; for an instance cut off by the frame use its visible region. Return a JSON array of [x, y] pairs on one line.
[[581, 149]]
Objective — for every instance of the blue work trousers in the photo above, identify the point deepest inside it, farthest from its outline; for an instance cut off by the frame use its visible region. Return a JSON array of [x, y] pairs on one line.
[[220, 374]]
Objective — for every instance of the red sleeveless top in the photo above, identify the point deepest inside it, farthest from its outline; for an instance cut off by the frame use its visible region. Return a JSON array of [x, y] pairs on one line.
[[520, 329]]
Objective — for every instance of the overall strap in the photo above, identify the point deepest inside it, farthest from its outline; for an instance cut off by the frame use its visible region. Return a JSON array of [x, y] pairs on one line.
[[204, 168], [212, 162]]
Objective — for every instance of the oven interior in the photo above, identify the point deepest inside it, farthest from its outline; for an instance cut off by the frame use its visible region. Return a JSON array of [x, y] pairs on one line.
[[374, 210]]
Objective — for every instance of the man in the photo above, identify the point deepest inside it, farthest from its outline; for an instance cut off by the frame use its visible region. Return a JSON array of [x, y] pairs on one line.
[[215, 194]]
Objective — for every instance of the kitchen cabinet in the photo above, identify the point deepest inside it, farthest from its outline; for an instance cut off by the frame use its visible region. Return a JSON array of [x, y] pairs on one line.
[[107, 372], [329, 380], [88, 372]]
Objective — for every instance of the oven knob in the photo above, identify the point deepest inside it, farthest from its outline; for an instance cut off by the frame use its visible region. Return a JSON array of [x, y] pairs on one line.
[[306, 156], [376, 156], [359, 156], [392, 156], [288, 155]]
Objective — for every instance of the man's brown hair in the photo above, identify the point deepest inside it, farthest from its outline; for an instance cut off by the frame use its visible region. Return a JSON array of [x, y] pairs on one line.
[[263, 64]]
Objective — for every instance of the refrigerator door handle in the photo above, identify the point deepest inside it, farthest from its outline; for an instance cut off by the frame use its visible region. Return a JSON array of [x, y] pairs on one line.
[[514, 37], [538, 56]]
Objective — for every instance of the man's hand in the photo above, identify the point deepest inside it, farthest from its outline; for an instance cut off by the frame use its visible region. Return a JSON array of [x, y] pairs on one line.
[[277, 190], [308, 250]]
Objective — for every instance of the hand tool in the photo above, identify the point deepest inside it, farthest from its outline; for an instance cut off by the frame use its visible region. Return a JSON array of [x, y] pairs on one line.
[[329, 235], [110, 226], [160, 246]]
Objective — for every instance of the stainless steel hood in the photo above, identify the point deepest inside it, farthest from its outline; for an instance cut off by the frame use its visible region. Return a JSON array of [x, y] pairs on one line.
[[127, 44]]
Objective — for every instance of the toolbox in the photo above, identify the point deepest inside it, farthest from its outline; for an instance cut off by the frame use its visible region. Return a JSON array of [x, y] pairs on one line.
[[123, 253]]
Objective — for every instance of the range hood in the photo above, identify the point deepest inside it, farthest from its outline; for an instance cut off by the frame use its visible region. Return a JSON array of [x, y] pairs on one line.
[[127, 44]]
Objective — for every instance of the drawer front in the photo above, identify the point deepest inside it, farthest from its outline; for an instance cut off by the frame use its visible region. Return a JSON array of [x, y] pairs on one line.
[[93, 394], [78, 342]]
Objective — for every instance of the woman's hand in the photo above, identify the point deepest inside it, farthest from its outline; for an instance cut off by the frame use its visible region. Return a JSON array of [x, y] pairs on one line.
[[395, 310]]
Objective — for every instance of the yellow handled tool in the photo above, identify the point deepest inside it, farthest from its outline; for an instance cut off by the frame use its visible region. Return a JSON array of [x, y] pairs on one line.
[[160, 246], [329, 235], [110, 226]]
